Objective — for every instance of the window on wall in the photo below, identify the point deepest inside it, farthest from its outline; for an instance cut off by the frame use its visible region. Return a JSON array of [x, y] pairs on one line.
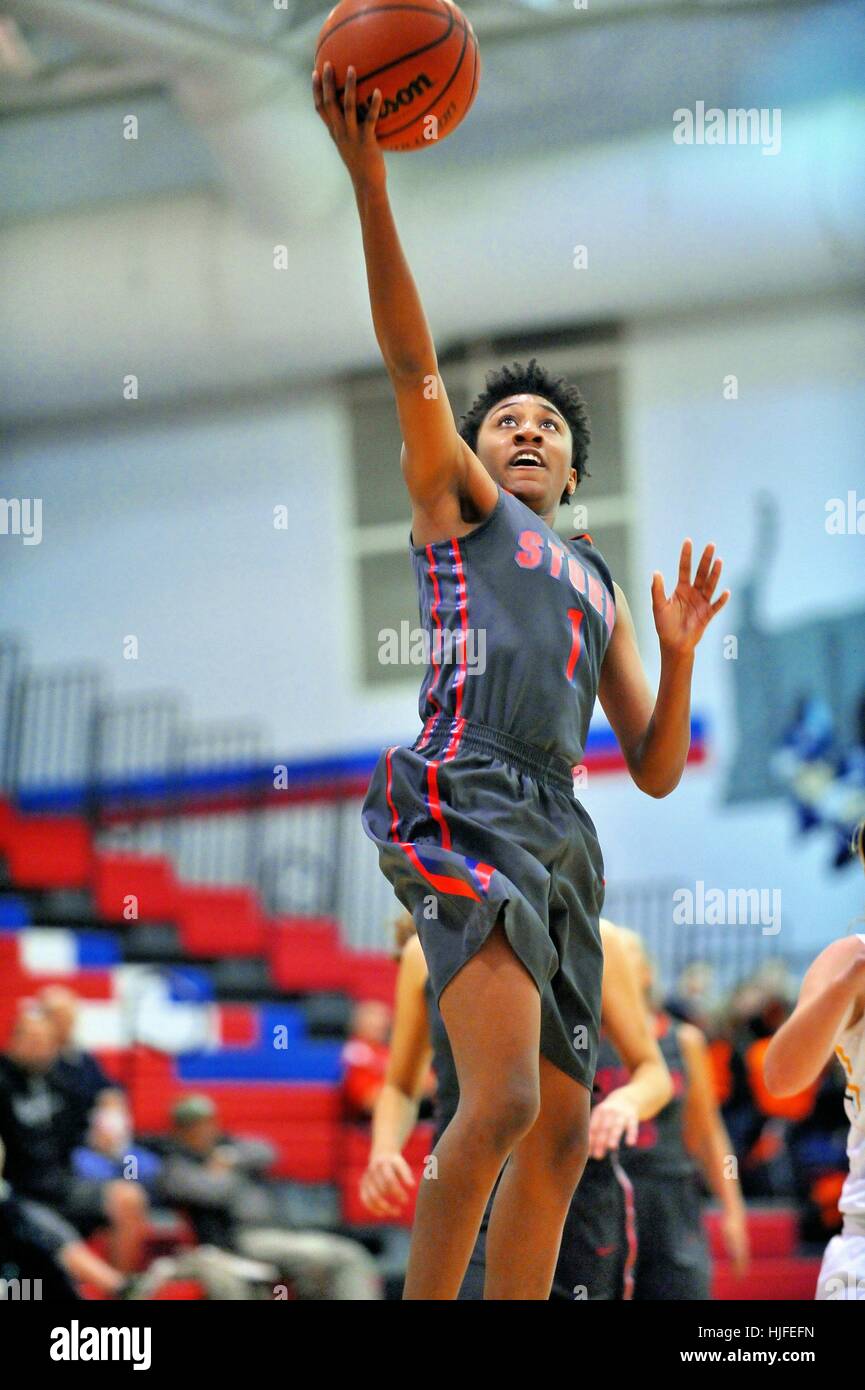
[[385, 595]]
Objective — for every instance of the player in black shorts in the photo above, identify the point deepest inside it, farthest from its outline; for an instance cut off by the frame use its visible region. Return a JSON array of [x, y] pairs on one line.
[[686, 1139], [476, 824], [599, 1246]]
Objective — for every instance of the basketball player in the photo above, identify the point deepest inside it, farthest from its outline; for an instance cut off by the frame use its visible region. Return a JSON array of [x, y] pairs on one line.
[[598, 1248], [673, 1260], [830, 1017], [476, 824]]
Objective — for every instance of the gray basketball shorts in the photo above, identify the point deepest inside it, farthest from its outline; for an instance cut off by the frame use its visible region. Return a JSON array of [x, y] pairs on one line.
[[492, 830]]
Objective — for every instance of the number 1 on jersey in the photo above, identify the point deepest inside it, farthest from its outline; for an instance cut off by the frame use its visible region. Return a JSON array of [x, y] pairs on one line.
[[576, 616]]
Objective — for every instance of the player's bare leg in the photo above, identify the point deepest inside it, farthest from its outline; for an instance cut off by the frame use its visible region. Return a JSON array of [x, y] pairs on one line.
[[491, 1010], [533, 1197]]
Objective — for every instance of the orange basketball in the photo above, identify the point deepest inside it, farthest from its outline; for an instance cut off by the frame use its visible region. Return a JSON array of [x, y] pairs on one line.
[[423, 54]]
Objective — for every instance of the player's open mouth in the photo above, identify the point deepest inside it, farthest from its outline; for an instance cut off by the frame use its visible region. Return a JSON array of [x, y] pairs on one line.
[[526, 460]]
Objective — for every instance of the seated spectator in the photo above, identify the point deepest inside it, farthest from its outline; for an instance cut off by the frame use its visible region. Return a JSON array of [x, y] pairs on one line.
[[219, 1182], [758, 1123], [365, 1057], [28, 1253], [75, 1071], [110, 1151], [37, 1122], [36, 1244], [691, 998]]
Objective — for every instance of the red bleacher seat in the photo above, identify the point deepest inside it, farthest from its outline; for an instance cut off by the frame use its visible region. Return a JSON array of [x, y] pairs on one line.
[[148, 878], [216, 921], [7, 821], [779, 1277], [305, 954], [371, 976], [771, 1230], [775, 1270], [14, 985], [47, 851], [238, 1025]]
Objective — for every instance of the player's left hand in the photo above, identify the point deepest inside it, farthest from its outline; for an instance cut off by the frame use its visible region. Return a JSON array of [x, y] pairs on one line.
[[613, 1118], [682, 618]]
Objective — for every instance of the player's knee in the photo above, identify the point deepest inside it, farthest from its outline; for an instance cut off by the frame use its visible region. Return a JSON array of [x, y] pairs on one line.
[[505, 1114]]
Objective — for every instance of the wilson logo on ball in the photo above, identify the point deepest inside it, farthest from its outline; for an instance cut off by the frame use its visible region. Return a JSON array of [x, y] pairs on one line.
[[404, 97]]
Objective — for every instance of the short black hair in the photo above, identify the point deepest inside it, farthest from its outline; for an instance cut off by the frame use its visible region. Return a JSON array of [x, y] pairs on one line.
[[534, 380]]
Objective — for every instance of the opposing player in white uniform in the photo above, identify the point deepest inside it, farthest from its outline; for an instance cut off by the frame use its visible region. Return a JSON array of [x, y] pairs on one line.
[[830, 1016]]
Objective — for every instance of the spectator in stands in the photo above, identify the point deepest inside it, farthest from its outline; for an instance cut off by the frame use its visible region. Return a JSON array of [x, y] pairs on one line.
[[28, 1252], [219, 1182], [691, 998], [758, 1123], [110, 1151], [365, 1057], [37, 1122], [75, 1071]]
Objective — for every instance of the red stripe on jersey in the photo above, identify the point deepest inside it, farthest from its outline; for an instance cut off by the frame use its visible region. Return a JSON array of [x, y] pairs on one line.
[[456, 887], [434, 804], [630, 1227], [437, 622], [427, 730], [484, 873], [462, 613], [390, 801], [454, 740]]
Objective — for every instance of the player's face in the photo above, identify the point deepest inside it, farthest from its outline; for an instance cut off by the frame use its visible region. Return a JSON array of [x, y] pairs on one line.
[[526, 422]]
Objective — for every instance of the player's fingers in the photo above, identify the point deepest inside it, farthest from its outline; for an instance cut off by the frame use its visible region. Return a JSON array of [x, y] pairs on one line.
[[368, 1195], [703, 567], [349, 103], [712, 580], [719, 603], [391, 1186], [331, 104], [607, 1136], [685, 561], [317, 94], [658, 595], [372, 115], [404, 1171], [375, 1199]]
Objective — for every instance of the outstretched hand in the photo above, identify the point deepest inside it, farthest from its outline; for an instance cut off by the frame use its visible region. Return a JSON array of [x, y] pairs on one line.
[[681, 619], [355, 140]]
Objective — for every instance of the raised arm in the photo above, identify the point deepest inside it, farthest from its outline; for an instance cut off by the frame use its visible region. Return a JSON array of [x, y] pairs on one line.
[[655, 734], [831, 998], [441, 472]]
